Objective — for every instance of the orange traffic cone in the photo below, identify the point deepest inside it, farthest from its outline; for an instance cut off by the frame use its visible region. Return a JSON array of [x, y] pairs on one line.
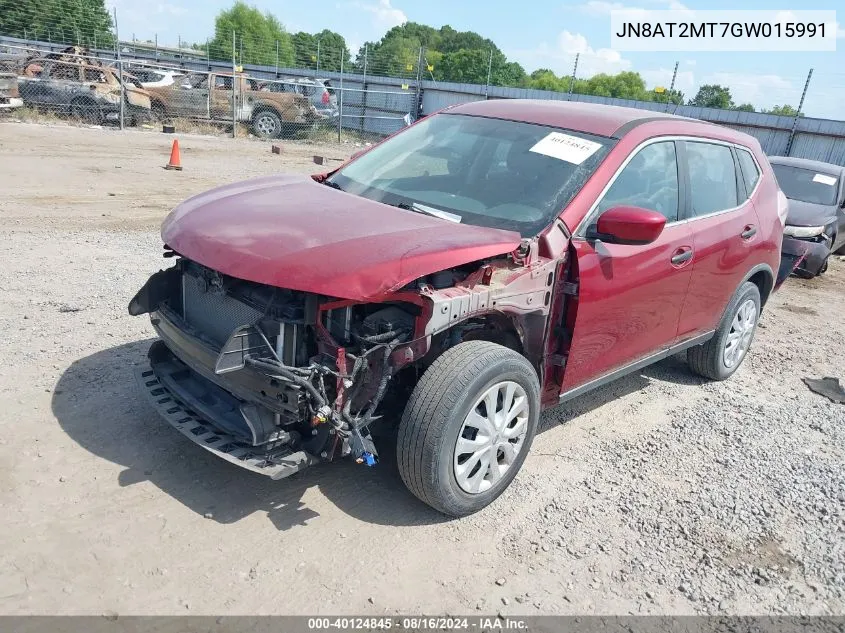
[[175, 159]]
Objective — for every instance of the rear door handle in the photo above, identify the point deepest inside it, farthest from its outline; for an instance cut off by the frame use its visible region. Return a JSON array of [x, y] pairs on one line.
[[681, 256], [749, 232]]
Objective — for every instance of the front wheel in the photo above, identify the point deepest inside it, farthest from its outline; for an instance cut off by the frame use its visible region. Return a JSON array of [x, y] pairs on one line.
[[722, 355], [467, 427]]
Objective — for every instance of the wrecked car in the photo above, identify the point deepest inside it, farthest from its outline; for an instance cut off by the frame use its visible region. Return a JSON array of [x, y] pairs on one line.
[[88, 92], [489, 261], [209, 97], [815, 224], [9, 96]]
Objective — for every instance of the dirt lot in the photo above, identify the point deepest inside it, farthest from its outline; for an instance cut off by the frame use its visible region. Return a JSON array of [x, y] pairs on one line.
[[658, 494]]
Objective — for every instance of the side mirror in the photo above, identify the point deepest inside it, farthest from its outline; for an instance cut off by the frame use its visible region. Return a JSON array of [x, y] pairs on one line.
[[629, 225]]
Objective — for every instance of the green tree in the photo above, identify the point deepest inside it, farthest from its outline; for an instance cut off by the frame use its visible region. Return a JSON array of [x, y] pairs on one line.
[[624, 85], [745, 107], [324, 49], [256, 35], [83, 22], [713, 96], [784, 110]]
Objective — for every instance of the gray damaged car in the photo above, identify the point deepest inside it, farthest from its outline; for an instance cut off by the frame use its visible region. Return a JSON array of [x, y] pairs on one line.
[[815, 225]]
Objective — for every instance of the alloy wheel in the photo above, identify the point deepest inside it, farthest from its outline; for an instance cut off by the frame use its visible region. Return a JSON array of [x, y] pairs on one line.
[[740, 334]]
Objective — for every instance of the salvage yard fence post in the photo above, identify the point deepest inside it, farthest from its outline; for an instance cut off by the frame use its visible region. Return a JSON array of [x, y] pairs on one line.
[[798, 114], [234, 100], [340, 109], [119, 69]]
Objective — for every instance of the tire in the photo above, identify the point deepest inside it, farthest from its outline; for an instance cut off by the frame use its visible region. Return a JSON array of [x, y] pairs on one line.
[[840, 251], [709, 359], [267, 124], [86, 110], [440, 408], [823, 268]]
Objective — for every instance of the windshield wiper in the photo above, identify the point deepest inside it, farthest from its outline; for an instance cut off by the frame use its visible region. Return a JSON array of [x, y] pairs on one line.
[[332, 184], [422, 208]]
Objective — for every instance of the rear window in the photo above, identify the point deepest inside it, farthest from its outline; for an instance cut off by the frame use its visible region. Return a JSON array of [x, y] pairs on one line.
[[807, 185], [750, 173]]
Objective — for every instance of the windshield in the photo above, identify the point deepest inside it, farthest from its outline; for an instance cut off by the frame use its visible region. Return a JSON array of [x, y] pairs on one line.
[[806, 185], [487, 172]]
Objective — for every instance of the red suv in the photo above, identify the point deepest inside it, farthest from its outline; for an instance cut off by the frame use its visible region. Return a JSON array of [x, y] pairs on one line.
[[493, 259]]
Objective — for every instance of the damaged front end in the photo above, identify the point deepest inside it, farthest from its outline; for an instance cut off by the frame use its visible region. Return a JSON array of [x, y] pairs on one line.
[[272, 376], [275, 379]]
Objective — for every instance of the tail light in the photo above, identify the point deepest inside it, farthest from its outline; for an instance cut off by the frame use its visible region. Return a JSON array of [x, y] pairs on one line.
[[325, 97]]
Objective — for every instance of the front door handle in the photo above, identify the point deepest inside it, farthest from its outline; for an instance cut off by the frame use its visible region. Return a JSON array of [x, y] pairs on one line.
[[748, 232], [681, 256]]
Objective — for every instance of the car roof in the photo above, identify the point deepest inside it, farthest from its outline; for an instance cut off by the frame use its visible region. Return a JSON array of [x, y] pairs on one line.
[[592, 118], [806, 163]]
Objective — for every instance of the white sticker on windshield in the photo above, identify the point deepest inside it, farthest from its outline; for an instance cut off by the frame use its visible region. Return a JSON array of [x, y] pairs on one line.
[[565, 147], [824, 179]]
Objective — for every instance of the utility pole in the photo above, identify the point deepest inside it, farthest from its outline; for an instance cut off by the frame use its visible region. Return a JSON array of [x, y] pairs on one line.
[[207, 54], [277, 59], [489, 73], [574, 70], [119, 69], [318, 57], [798, 113]]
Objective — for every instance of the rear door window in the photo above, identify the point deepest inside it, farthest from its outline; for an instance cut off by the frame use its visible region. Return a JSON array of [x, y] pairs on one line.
[[712, 177], [750, 171]]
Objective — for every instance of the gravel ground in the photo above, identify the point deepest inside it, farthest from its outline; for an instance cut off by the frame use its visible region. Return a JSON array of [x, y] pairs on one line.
[[660, 493]]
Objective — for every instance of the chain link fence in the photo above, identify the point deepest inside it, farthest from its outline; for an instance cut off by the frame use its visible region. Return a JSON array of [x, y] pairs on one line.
[[94, 88]]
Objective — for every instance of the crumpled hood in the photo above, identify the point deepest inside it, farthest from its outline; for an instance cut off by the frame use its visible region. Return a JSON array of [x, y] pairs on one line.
[[292, 232], [809, 214]]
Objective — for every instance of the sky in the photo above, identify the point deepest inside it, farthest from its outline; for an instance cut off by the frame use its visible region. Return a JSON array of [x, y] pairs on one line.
[[539, 34]]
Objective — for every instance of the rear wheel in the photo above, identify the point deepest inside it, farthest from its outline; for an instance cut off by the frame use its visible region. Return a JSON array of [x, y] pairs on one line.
[[722, 355], [267, 124], [468, 426]]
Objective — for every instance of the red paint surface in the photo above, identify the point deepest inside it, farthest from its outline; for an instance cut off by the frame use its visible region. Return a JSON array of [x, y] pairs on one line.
[[631, 224], [630, 300], [293, 232]]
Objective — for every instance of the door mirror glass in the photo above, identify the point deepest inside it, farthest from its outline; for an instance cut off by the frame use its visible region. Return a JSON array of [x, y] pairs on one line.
[[629, 225]]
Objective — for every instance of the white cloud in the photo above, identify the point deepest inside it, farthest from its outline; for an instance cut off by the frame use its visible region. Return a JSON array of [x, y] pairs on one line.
[[603, 7], [171, 9], [385, 15], [763, 91], [560, 57]]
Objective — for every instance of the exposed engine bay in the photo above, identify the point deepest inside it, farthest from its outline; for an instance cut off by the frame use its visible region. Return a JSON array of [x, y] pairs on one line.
[[282, 377]]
